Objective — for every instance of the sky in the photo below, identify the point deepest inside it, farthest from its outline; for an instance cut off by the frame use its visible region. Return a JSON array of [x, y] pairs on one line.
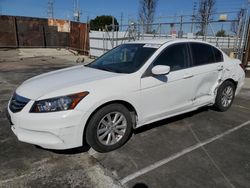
[[167, 11], [63, 9]]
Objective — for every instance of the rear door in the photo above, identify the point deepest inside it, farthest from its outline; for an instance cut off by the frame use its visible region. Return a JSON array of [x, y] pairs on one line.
[[207, 67]]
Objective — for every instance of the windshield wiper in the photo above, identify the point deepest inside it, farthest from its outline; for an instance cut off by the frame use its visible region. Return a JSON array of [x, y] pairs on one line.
[[106, 69]]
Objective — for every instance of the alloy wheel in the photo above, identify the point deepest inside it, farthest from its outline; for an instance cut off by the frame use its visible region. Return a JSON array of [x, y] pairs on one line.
[[227, 96], [111, 128]]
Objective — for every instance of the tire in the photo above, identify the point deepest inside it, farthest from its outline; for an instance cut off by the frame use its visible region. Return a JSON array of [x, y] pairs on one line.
[[114, 124], [225, 96]]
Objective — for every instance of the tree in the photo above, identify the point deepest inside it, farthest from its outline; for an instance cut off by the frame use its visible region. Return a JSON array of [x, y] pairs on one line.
[[100, 22], [199, 33], [204, 14], [235, 26], [147, 13], [221, 33]]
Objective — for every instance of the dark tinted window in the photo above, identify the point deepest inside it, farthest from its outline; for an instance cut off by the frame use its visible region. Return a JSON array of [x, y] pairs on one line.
[[175, 56], [218, 55], [202, 54]]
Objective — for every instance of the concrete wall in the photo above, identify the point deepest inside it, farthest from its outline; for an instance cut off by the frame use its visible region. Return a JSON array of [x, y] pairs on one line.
[[101, 41]]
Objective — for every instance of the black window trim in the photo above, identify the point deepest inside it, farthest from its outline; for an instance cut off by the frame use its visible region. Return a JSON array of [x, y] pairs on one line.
[[148, 72], [213, 48]]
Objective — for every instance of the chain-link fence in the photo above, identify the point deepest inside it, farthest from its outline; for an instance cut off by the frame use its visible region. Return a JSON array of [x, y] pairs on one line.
[[229, 35]]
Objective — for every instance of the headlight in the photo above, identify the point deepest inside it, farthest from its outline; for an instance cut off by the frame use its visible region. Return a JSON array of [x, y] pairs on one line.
[[62, 103]]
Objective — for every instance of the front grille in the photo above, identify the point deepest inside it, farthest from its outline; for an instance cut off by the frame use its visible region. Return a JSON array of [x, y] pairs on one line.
[[17, 103]]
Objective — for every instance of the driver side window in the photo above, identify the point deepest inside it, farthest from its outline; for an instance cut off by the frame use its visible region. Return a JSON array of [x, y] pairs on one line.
[[175, 56]]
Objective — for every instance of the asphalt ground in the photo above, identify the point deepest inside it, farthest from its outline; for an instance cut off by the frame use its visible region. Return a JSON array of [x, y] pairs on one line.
[[204, 148], [26, 165]]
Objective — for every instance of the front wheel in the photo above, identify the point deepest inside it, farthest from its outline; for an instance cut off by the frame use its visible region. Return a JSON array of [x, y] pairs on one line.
[[109, 128], [225, 96]]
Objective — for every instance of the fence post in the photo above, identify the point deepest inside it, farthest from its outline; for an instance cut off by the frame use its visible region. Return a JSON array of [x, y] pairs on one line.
[[44, 37], [117, 30], [160, 31], [113, 25], [16, 32]]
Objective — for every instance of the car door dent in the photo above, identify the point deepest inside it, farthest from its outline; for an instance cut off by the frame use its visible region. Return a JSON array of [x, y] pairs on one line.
[[204, 84]]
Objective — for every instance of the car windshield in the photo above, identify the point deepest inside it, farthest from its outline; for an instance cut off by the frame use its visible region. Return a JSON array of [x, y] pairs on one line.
[[126, 58]]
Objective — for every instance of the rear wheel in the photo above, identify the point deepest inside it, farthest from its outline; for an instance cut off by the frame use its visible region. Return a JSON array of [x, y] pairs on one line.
[[225, 96], [109, 128]]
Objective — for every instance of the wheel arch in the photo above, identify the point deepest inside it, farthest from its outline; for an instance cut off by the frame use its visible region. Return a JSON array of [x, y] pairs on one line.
[[222, 81], [128, 105], [231, 80]]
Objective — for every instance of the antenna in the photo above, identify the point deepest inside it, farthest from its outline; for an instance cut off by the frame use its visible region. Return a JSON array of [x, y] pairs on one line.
[[50, 10]]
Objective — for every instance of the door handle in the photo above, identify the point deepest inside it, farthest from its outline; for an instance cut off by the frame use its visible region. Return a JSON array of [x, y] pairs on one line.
[[188, 76], [220, 68]]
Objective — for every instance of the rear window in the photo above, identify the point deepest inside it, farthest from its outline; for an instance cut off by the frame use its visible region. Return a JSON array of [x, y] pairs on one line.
[[202, 54]]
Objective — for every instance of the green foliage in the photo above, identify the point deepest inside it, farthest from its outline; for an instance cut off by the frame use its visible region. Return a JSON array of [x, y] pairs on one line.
[[200, 33], [221, 33], [100, 22]]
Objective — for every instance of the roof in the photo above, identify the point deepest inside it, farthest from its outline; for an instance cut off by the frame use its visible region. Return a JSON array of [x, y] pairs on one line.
[[152, 41], [163, 41]]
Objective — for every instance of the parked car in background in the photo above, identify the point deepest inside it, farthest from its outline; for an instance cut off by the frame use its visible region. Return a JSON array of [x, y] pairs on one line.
[[134, 84]]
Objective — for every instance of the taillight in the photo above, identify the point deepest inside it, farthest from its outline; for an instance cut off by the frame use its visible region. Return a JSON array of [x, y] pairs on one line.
[[242, 66]]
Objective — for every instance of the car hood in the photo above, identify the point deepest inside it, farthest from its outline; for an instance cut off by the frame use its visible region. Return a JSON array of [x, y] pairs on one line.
[[38, 86]]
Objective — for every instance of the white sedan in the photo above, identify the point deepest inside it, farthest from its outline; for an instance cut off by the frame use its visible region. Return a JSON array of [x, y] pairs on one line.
[[132, 85]]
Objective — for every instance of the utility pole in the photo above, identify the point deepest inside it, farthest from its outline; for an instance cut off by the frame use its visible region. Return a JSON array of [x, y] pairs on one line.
[[88, 19], [77, 13], [121, 21], [180, 33], [50, 10], [0, 7], [238, 35], [193, 16], [243, 34], [113, 29], [206, 24]]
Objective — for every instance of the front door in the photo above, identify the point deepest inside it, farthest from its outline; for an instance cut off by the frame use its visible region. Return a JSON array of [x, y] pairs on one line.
[[166, 95]]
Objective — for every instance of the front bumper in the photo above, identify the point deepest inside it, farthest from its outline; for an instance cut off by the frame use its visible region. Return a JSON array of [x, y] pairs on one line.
[[55, 130]]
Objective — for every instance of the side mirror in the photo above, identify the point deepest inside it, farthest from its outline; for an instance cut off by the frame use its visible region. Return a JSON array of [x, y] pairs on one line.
[[160, 70]]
